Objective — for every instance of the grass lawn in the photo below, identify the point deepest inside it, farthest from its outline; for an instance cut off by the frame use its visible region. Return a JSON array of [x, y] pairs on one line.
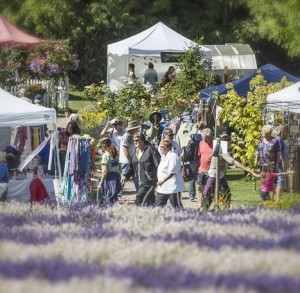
[[77, 105], [76, 102], [243, 188]]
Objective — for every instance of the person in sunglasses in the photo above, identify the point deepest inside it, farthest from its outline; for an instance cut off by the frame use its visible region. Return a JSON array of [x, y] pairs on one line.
[[169, 134], [143, 164]]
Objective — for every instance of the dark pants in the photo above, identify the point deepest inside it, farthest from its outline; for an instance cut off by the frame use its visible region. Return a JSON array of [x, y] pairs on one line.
[[264, 195], [162, 199], [192, 184], [145, 196], [62, 160]]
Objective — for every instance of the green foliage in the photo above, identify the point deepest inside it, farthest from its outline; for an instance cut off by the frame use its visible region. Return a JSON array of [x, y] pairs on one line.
[[245, 116], [12, 59], [128, 103], [183, 90], [276, 21], [135, 102]]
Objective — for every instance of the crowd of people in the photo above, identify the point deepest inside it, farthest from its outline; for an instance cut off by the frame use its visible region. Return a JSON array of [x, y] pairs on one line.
[[156, 168]]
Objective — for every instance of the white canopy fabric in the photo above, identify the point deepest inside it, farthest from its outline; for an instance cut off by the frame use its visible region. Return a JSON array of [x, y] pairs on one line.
[[287, 99], [17, 112], [142, 48], [233, 56]]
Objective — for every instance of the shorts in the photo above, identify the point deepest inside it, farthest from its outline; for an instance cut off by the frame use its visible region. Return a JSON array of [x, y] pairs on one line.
[[265, 195], [202, 178]]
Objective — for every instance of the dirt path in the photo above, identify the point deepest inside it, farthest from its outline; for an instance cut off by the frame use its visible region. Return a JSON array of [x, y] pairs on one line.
[[129, 196]]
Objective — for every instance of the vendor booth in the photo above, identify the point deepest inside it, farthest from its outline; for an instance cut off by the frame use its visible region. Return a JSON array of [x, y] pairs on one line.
[[158, 44], [15, 112], [231, 61], [287, 103], [270, 72]]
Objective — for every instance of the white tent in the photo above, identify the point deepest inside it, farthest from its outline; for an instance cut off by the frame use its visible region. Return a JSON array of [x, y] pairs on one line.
[[142, 48], [287, 99], [233, 59], [17, 112]]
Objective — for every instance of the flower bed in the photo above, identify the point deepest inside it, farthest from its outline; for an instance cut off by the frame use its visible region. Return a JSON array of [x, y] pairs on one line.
[[123, 248]]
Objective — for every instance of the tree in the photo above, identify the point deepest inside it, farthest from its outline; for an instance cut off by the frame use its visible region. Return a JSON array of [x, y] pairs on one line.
[[276, 21], [183, 91]]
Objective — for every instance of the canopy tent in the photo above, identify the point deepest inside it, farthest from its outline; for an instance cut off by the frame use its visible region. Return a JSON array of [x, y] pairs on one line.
[[11, 35], [270, 73], [142, 48], [17, 112], [235, 59], [287, 99]]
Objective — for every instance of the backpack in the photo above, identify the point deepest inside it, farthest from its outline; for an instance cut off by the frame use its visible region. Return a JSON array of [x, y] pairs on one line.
[[190, 152]]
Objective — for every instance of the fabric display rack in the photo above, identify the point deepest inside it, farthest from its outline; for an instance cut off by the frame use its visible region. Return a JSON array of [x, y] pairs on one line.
[[76, 177]]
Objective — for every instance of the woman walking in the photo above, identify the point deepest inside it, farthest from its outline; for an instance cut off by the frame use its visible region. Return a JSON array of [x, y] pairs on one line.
[[170, 182]]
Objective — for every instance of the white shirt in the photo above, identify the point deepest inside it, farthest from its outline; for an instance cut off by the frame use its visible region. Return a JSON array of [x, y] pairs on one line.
[[170, 163]]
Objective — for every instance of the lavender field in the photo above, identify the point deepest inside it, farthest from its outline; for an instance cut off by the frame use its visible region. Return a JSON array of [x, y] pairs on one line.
[[84, 248]]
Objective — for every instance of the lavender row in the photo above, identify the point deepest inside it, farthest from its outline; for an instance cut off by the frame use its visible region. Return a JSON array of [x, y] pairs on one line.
[[164, 277]]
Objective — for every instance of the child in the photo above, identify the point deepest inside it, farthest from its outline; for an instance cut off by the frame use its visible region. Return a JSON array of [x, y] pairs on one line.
[[267, 177]]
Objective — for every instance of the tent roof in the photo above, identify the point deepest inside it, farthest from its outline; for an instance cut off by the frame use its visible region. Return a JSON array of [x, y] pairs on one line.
[[233, 56], [10, 35], [285, 99], [270, 73], [16, 112], [154, 40]]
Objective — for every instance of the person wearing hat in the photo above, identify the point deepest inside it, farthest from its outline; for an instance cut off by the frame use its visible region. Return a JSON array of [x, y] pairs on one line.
[[154, 132], [38, 99], [110, 182], [143, 165], [12, 158], [115, 130], [127, 148]]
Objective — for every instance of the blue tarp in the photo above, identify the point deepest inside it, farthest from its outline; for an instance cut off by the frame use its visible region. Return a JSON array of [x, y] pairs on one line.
[[270, 72]]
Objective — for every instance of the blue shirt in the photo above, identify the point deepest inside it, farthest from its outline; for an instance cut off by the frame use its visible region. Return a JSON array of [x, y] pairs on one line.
[[4, 176]]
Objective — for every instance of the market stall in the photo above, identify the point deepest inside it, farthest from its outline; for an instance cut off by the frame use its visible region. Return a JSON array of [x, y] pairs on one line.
[[15, 112], [158, 44], [19, 190], [286, 102]]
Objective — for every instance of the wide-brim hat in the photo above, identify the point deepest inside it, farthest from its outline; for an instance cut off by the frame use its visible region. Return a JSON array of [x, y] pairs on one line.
[[132, 125], [114, 121], [152, 117], [104, 140]]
